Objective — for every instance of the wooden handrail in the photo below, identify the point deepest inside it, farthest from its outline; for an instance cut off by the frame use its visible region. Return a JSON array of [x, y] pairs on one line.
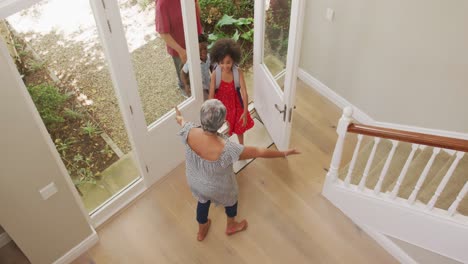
[[411, 137]]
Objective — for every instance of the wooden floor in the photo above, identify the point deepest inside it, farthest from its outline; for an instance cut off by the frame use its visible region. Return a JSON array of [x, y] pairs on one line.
[[289, 220]]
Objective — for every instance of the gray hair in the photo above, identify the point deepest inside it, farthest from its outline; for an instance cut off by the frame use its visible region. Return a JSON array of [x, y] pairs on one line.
[[212, 115]]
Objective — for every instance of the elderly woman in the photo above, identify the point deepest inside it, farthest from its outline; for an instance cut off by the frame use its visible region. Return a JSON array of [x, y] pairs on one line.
[[209, 159]]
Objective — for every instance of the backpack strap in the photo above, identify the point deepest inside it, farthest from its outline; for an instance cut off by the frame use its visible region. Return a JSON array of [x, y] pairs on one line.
[[235, 73], [217, 76]]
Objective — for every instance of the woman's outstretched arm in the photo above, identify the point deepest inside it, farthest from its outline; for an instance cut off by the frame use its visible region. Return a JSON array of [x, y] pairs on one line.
[[255, 152]]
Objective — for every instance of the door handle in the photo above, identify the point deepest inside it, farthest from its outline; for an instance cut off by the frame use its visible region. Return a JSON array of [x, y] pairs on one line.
[[290, 113], [281, 111]]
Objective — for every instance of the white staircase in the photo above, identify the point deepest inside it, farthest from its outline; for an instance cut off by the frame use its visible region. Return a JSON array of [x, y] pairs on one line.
[[404, 185]]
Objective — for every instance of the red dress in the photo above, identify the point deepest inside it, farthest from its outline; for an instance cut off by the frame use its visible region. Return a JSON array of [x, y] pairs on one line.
[[227, 94]]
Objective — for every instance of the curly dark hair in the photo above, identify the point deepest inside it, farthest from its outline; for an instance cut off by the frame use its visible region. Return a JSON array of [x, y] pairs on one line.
[[202, 38], [223, 47]]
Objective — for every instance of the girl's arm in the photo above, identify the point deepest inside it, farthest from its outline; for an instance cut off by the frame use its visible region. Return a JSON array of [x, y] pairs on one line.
[[255, 152], [212, 85], [243, 90]]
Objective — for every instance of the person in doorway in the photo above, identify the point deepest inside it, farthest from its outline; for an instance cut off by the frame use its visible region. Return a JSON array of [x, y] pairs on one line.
[[205, 64], [169, 25], [228, 86], [209, 159]]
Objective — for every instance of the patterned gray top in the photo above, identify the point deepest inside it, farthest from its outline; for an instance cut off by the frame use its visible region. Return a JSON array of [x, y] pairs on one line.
[[212, 180]]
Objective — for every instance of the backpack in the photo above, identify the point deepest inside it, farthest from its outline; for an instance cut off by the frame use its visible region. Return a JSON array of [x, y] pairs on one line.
[[235, 73]]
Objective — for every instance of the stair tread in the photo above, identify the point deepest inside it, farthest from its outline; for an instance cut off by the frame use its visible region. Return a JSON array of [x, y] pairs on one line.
[[363, 155], [443, 162], [453, 188], [412, 175], [398, 161]]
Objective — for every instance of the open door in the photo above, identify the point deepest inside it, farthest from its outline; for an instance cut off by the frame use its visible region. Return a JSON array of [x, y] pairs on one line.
[[152, 128], [277, 44]]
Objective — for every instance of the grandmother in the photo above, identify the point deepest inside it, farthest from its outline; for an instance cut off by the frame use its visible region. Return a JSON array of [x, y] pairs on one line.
[[209, 160]]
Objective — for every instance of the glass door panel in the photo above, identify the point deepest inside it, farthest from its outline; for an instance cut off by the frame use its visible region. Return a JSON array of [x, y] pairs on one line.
[[277, 23], [158, 84], [55, 46]]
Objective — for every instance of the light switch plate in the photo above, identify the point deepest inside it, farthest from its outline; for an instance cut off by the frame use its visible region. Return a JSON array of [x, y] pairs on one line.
[[330, 14], [48, 191]]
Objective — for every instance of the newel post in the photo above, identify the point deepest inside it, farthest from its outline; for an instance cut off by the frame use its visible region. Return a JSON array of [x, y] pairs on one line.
[[341, 130]]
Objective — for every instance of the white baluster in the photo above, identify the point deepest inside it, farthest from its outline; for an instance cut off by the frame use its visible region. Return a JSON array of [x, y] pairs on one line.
[[341, 130], [460, 196], [445, 180], [369, 164], [383, 173], [353, 160], [403, 172], [423, 176]]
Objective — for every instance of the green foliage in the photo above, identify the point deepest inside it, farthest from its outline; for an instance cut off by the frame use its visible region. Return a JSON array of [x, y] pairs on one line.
[[213, 10], [277, 28], [242, 30], [49, 102], [72, 114], [107, 151], [82, 168], [35, 65], [230, 19], [90, 129], [63, 146]]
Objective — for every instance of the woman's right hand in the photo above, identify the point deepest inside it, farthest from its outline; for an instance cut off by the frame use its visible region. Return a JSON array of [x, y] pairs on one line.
[[179, 118]]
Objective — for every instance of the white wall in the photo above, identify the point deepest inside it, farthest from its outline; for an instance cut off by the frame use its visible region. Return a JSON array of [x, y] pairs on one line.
[[399, 61], [44, 230]]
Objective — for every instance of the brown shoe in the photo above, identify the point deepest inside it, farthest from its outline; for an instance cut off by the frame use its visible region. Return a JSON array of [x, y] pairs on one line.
[[237, 227]]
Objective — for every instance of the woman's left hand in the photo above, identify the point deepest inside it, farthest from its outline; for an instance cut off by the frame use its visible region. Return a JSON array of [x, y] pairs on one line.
[[244, 118]]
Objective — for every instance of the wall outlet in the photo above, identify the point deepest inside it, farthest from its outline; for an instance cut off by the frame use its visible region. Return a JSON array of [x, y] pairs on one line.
[[48, 191], [330, 14]]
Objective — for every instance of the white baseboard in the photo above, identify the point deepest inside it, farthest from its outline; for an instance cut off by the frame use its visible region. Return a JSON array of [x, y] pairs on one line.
[[77, 251], [335, 98], [392, 248], [4, 239], [363, 117]]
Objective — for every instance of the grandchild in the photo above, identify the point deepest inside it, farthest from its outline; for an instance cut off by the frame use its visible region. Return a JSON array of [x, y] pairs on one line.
[[227, 54], [205, 64]]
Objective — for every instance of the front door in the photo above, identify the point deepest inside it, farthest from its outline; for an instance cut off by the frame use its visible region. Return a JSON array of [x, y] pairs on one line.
[[277, 44], [144, 77]]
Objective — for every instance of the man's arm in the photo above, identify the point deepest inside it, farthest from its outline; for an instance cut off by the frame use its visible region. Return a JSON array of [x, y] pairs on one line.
[[173, 44]]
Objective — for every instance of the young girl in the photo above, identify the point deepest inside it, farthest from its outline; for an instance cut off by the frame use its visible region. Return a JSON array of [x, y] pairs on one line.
[[226, 53]]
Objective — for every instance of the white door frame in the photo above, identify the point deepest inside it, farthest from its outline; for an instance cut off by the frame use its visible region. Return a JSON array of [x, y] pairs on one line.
[[267, 92]]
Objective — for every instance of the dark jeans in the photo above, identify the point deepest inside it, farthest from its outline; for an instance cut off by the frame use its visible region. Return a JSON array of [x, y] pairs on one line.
[[178, 66], [204, 208]]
